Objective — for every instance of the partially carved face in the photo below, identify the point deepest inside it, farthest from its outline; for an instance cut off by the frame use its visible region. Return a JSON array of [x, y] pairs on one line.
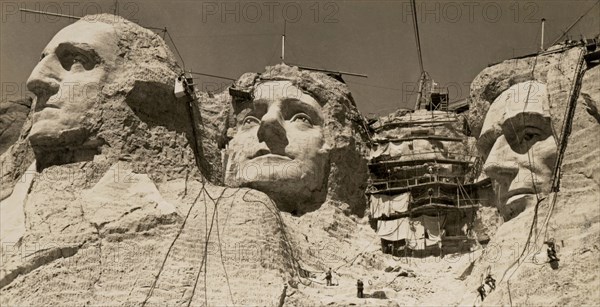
[[518, 142], [67, 81], [278, 147]]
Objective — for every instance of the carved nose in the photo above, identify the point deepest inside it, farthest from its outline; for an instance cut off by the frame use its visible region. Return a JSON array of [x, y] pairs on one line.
[[504, 171], [272, 132], [45, 77]]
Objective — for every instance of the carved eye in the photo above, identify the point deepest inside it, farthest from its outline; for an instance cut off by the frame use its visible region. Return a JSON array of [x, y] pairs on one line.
[[78, 58], [250, 120], [43, 56], [530, 134], [303, 118], [70, 55]]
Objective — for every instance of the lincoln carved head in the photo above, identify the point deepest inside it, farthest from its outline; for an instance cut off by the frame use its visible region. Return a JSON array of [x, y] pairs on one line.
[[294, 132], [519, 146]]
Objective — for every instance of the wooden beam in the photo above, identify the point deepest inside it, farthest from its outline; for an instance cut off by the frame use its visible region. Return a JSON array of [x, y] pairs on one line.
[[330, 71]]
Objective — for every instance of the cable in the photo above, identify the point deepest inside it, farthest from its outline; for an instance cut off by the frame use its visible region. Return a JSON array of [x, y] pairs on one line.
[[176, 50], [574, 23], [375, 86]]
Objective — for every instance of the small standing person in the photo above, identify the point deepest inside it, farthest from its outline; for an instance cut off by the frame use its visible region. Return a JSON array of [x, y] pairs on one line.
[[328, 277], [481, 291], [359, 288], [552, 258], [490, 281]]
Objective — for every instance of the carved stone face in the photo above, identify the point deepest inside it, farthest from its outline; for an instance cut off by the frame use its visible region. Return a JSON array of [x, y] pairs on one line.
[[518, 142], [278, 147], [68, 79]]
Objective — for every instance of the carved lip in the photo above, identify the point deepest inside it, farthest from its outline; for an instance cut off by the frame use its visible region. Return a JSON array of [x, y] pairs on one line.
[[42, 103], [267, 154], [52, 106], [518, 192]]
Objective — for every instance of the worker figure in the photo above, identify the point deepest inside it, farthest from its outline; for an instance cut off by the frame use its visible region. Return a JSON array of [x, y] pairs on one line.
[[551, 252], [328, 277], [490, 281], [430, 171], [481, 291], [359, 288]]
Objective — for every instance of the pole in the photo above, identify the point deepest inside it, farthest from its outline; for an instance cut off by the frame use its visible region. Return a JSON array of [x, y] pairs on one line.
[[209, 75], [77, 17], [329, 71], [542, 39], [48, 13], [417, 37], [283, 42]]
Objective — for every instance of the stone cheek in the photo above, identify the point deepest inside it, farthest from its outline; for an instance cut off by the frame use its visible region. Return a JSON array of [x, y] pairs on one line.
[[278, 147], [67, 81]]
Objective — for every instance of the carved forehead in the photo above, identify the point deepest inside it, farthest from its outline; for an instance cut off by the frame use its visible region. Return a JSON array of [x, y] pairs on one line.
[[282, 90], [97, 36], [529, 97], [525, 97]]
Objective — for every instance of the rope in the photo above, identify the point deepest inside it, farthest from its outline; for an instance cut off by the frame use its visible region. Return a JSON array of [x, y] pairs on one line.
[[535, 216], [149, 294], [277, 214], [222, 261], [561, 149], [567, 126], [207, 233]]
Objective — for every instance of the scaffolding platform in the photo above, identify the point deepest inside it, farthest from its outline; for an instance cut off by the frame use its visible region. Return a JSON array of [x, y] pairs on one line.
[[429, 209], [398, 124], [416, 161]]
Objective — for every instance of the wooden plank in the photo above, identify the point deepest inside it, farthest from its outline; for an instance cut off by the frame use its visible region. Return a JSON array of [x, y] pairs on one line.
[[421, 137]]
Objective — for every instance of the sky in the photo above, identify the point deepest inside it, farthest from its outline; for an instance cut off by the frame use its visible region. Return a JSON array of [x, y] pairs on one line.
[[376, 38]]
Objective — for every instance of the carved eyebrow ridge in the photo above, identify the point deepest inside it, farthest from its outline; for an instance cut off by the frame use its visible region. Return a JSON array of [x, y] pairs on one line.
[[292, 105]]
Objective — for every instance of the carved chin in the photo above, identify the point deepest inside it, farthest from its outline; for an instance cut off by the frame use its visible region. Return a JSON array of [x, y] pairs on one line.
[[517, 204], [44, 135]]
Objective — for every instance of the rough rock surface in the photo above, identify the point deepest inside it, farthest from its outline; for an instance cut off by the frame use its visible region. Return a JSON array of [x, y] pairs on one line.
[[124, 242], [213, 117], [572, 222], [13, 115], [14, 161]]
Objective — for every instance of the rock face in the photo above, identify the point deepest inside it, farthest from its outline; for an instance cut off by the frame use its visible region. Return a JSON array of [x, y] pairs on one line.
[[121, 213], [569, 217], [13, 115], [213, 113], [15, 153], [118, 210], [298, 138]]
